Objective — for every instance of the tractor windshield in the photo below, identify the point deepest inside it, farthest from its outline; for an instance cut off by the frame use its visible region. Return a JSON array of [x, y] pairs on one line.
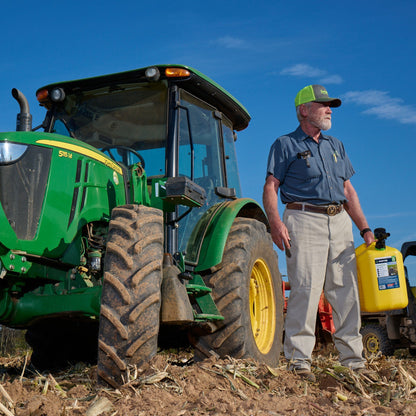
[[127, 121]]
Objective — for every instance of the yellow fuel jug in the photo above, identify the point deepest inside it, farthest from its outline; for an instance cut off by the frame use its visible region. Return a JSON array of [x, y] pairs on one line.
[[381, 277]]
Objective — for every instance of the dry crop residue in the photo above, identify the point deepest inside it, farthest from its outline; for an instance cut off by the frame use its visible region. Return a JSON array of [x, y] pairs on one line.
[[172, 384]]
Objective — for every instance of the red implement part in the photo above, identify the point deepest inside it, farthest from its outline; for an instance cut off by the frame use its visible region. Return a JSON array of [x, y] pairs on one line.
[[325, 315], [285, 286]]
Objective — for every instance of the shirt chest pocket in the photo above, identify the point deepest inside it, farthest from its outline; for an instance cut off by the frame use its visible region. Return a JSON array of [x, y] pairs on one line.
[[341, 169], [305, 169]]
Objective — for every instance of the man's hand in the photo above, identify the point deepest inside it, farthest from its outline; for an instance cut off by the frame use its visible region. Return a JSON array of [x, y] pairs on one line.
[[280, 235], [369, 238]]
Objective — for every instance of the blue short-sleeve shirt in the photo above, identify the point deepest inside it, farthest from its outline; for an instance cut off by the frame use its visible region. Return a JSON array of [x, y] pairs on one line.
[[317, 178]]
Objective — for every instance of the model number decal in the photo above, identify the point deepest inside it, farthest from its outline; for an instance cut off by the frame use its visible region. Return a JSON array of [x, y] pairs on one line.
[[62, 153], [83, 151]]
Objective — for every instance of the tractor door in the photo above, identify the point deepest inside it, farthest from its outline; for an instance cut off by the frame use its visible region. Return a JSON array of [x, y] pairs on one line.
[[206, 154]]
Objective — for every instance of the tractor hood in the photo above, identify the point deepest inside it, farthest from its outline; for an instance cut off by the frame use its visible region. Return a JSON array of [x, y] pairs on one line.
[[46, 181]]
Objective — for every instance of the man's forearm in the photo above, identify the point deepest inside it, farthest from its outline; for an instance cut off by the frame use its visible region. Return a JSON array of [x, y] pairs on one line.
[[270, 206], [278, 230], [354, 210], [270, 192]]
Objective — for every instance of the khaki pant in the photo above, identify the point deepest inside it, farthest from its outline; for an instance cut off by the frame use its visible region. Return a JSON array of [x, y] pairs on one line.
[[322, 257]]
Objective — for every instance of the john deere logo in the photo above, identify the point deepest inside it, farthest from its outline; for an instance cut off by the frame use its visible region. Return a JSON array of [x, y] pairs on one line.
[[324, 92]]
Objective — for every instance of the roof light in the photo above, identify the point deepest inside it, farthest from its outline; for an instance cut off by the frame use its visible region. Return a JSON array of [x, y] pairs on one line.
[[42, 95], [152, 74], [57, 95], [177, 72]]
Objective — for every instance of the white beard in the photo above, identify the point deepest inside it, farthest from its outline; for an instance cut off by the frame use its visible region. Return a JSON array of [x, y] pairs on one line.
[[321, 124]]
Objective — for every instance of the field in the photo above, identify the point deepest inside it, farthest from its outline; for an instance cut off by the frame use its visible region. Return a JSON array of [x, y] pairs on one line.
[[173, 384]]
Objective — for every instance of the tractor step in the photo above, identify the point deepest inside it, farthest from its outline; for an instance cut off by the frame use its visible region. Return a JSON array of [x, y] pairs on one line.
[[208, 317], [202, 295], [198, 290]]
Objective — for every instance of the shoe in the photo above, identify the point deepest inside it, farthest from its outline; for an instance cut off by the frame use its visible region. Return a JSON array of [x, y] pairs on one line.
[[305, 374]]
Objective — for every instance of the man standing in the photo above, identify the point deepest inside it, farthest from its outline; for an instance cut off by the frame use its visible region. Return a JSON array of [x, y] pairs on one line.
[[313, 172]]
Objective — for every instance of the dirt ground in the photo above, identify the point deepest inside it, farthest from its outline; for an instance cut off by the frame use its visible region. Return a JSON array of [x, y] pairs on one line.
[[173, 384]]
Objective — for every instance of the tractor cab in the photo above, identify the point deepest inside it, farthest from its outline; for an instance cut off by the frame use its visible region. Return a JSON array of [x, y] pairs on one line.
[[150, 119]]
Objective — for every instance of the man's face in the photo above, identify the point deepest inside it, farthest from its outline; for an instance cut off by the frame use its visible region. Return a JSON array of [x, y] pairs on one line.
[[319, 115]]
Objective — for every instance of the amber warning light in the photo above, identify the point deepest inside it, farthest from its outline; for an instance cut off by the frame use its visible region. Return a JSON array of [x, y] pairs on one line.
[[42, 95], [177, 72]]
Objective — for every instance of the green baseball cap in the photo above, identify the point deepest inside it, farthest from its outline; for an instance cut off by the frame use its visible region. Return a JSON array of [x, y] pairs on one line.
[[316, 93]]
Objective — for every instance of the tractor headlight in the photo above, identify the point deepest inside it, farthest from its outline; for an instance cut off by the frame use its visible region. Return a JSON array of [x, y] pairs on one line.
[[10, 152]]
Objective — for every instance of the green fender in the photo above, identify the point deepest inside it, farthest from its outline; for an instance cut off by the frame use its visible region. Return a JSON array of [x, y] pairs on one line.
[[207, 242]]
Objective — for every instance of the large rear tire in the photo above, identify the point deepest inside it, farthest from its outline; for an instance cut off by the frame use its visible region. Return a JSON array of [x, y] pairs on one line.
[[247, 290], [130, 303]]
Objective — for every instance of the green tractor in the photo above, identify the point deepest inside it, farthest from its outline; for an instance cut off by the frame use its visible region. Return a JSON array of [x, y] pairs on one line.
[[122, 222]]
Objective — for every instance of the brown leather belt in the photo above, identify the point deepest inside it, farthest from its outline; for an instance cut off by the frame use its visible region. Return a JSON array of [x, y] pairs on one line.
[[320, 209]]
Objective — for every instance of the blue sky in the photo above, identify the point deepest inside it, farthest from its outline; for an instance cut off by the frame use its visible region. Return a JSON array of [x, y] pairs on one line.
[[263, 52]]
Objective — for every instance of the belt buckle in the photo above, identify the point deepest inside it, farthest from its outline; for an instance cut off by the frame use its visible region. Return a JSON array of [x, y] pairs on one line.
[[331, 210]]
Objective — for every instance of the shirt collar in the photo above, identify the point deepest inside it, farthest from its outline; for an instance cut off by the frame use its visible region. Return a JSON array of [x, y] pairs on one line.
[[300, 135]]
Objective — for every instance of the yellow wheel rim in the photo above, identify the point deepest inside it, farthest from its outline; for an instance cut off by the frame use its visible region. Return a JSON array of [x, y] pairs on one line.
[[262, 306], [372, 344]]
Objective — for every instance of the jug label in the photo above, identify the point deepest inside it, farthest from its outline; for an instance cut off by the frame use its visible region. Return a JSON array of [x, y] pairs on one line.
[[387, 273]]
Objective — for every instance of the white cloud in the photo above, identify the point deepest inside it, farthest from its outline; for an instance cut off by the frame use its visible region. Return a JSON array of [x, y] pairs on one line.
[[308, 71], [392, 215], [302, 70], [331, 79], [382, 105], [232, 42]]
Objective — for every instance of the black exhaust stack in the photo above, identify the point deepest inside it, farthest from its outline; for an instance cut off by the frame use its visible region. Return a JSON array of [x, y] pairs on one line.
[[24, 118]]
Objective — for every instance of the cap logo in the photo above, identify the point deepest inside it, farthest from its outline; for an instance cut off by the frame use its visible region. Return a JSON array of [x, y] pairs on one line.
[[324, 92]]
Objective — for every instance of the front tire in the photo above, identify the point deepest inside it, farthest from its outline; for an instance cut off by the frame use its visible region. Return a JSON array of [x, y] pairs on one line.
[[131, 297], [247, 290], [375, 340]]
